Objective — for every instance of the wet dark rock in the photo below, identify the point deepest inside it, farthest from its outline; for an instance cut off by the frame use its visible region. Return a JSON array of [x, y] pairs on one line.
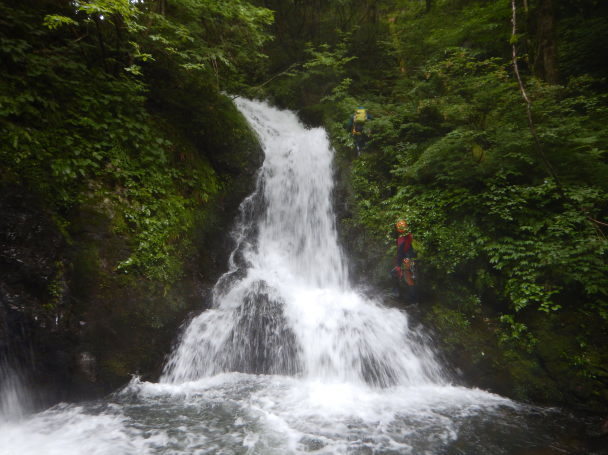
[[262, 339], [33, 312], [73, 325], [87, 364]]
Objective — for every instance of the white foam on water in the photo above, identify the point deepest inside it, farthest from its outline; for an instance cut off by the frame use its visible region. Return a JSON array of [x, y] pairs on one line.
[[295, 415], [69, 430]]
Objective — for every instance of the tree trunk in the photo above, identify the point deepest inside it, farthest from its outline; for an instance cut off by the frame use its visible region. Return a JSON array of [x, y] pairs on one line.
[[161, 7], [545, 61]]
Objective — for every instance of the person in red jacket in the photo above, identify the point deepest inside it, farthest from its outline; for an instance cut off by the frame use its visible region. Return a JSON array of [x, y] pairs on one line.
[[404, 264]]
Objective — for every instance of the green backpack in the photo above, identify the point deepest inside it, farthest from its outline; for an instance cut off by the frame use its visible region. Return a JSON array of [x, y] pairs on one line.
[[360, 116]]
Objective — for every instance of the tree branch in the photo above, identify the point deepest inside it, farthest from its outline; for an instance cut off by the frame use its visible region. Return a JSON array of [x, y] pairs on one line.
[[526, 98], [538, 144]]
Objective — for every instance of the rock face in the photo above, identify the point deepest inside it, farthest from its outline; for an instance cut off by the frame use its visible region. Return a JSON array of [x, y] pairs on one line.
[[69, 321], [36, 331]]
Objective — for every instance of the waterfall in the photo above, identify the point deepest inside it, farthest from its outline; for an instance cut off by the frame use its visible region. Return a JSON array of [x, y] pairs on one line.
[[286, 306], [14, 400]]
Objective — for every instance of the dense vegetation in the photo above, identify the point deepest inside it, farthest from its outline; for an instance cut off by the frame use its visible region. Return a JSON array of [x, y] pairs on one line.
[[85, 101], [509, 212], [116, 134], [113, 108]]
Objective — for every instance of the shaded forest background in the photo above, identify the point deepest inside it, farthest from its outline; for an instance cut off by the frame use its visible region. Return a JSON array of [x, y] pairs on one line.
[[116, 133]]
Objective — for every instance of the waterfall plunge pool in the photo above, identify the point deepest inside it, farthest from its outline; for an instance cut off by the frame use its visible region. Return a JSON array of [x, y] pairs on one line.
[[236, 413]]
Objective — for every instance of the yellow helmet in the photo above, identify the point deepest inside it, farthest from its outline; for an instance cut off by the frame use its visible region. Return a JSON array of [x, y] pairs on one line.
[[401, 226]]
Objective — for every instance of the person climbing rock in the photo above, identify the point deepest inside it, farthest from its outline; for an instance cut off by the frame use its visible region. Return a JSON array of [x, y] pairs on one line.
[[356, 124], [404, 270]]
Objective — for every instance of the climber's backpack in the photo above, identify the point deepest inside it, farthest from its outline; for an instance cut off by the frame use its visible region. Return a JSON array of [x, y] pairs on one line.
[[360, 116]]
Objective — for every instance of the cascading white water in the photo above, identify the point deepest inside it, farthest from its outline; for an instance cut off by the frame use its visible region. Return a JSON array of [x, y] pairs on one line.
[[287, 306], [14, 401]]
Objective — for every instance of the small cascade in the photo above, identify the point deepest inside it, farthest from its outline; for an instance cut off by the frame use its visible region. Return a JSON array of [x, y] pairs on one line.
[[286, 306], [14, 400]]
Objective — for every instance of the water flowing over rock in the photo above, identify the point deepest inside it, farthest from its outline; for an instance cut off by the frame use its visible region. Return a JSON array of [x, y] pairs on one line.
[[14, 398], [286, 305]]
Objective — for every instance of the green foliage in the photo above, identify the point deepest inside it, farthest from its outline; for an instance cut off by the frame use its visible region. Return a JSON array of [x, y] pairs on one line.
[[79, 130], [499, 218], [220, 39], [54, 21], [516, 333], [325, 60], [480, 192]]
